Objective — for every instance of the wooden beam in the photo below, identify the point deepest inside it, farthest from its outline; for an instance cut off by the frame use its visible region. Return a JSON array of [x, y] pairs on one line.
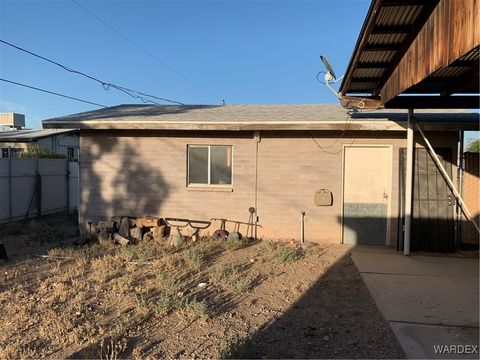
[[427, 9], [434, 102], [357, 102], [379, 30], [449, 33]]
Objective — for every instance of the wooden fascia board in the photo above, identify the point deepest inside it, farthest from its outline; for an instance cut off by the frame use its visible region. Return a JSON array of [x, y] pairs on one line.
[[448, 34]]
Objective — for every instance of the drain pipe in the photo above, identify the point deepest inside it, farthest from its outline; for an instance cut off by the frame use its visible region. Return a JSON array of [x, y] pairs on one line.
[[256, 137], [302, 228], [450, 183]]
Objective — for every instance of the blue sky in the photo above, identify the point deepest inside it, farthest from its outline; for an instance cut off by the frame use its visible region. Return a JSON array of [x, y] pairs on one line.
[[240, 51], [199, 52]]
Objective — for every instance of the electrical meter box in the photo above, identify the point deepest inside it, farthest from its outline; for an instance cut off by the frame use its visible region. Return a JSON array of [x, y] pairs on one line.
[[323, 197]]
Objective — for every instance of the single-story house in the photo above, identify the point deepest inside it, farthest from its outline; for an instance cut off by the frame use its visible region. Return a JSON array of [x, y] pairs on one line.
[[66, 142], [343, 168]]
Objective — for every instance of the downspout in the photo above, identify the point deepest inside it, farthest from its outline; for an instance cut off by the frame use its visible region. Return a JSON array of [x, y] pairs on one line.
[[257, 138], [449, 181], [408, 183]]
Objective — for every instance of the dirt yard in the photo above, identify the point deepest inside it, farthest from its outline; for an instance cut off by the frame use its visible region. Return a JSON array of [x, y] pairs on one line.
[[203, 300]]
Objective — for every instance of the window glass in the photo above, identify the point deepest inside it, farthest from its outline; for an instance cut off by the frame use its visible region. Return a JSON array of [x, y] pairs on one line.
[[198, 165], [220, 165]]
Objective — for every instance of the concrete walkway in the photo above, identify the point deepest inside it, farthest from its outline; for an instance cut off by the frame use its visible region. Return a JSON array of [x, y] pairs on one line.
[[429, 301]]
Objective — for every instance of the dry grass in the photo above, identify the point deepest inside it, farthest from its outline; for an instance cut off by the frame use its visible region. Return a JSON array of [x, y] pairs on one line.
[[91, 301]]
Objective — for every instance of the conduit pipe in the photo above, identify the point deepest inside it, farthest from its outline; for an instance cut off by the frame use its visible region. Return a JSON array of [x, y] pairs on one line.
[[257, 138], [449, 181], [302, 227]]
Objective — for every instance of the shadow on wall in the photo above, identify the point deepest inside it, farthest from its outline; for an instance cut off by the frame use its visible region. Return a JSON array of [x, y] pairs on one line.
[[136, 188], [335, 318]]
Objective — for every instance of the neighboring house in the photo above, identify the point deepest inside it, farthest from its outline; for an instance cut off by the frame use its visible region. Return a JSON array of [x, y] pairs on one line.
[[66, 142], [11, 121], [201, 162]]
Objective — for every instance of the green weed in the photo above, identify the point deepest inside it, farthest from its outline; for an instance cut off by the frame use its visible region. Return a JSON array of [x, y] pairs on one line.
[[232, 244], [235, 348]]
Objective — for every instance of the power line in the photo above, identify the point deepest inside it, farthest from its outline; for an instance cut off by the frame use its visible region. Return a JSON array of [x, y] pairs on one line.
[[139, 47], [105, 85], [53, 93]]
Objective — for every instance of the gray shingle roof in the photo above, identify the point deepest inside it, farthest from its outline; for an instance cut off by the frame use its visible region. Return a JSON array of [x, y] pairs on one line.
[[244, 117], [29, 135]]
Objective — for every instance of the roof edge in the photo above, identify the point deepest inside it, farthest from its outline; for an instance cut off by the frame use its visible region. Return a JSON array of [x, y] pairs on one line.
[[353, 125]]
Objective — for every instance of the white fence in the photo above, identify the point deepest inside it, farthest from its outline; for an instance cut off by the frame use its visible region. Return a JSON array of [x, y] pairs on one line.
[[34, 187]]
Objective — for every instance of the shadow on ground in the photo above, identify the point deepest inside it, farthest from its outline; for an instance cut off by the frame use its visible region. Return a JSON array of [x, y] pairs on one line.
[[335, 318]]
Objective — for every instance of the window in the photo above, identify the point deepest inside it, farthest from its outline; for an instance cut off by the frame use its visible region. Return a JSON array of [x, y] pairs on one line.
[[209, 165], [70, 153], [16, 153]]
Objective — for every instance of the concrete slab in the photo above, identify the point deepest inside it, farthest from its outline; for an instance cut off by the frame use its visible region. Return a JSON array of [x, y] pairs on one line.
[[437, 342], [394, 262], [436, 300], [428, 300]]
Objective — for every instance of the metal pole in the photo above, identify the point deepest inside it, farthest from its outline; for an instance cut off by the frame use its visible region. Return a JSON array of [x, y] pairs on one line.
[[302, 228], [9, 184], [408, 183], [458, 210], [67, 179], [461, 168], [449, 181]]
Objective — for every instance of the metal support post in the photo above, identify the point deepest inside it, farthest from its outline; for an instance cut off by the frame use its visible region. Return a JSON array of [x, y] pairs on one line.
[[408, 183]]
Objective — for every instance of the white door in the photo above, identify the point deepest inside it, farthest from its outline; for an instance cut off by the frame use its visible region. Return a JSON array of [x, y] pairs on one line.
[[366, 194]]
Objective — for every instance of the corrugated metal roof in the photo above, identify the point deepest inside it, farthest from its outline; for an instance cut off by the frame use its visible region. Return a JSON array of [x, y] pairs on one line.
[[398, 15], [238, 117], [388, 27], [30, 135], [376, 56], [386, 39]]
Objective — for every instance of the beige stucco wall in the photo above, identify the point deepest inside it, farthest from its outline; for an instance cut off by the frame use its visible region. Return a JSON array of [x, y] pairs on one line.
[[140, 173]]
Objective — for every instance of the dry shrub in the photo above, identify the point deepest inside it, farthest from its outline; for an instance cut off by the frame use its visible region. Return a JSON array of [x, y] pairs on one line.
[[283, 252], [112, 348], [192, 310], [229, 276], [232, 244]]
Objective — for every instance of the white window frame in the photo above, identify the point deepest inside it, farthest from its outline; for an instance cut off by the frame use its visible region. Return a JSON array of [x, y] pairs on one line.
[[209, 161]]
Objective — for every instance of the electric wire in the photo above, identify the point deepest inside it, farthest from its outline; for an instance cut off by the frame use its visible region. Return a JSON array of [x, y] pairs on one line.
[[141, 48], [52, 92], [105, 85]]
